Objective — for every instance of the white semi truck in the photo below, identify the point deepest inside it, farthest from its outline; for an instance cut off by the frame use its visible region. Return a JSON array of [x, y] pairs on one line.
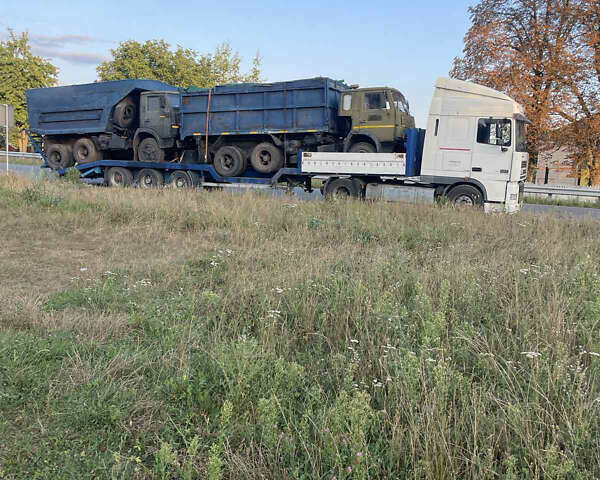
[[473, 152]]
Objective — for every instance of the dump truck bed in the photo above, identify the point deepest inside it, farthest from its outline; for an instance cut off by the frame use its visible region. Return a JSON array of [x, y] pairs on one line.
[[81, 108], [308, 105]]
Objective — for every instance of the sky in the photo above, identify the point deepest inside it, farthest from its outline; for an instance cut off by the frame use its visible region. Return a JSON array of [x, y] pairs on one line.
[[405, 45]]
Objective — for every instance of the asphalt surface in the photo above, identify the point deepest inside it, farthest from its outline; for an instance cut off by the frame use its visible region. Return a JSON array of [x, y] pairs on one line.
[[564, 212]]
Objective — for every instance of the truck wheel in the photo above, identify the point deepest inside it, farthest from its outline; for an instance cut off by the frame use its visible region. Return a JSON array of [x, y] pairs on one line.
[[266, 158], [125, 113], [362, 147], [341, 188], [149, 151], [180, 180], [230, 161], [85, 151], [149, 178], [118, 177], [465, 196], [59, 155]]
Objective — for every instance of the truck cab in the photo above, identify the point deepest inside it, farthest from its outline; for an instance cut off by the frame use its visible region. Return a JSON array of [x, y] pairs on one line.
[[160, 121], [476, 134], [377, 119]]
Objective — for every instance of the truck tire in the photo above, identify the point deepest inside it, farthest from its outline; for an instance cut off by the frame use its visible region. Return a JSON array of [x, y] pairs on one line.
[[465, 196], [60, 155], [125, 113], [118, 177], [85, 151], [230, 161], [149, 178], [149, 151], [362, 147], [341, 188], [266, 158], [180, 180]]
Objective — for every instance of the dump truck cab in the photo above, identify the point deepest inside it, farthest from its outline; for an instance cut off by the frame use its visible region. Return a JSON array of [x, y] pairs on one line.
[[160, 120], [377, 119]]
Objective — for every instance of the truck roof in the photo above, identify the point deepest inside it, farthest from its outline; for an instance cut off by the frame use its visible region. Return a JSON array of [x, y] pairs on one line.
[[470, 87], [458, 97]]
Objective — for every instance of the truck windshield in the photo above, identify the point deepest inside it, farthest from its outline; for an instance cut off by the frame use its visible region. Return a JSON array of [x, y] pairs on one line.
[[400, 102], [521, 136]]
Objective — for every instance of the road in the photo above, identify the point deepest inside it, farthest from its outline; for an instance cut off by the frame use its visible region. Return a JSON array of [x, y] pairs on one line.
[[565, 212]]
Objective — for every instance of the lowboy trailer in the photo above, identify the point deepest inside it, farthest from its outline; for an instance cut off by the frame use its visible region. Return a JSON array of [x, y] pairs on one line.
[[474, 153]]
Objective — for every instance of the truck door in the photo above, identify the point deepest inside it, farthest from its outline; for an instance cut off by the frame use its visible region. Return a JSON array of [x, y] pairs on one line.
[[377, 116], [156, 114], [492, 150]]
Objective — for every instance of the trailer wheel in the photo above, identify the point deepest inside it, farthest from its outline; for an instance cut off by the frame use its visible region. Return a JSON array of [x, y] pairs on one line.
[[266, 158], [230, 161], [341, 188], [465, 196], [60, 155], [118, 177], [180, 180], [125, 113], [362, 147], [149, 178], [196, 179], [85, 151]]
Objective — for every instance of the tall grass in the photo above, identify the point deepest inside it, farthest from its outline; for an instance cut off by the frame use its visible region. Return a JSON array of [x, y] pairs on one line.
[[241, 336]]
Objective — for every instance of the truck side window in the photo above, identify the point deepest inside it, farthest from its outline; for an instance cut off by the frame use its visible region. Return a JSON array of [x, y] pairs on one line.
[[347, 102], [374, 101], [154, 104], [494, 131]]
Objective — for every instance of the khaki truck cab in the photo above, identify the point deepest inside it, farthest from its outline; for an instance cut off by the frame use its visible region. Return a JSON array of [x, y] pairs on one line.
[[377, 119]]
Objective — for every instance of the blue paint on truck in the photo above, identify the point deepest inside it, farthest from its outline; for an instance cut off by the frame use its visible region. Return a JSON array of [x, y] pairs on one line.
[[308, 105]]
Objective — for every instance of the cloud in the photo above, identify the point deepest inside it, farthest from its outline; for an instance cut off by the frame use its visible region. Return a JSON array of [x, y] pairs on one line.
[[85, 58], [59, 41]]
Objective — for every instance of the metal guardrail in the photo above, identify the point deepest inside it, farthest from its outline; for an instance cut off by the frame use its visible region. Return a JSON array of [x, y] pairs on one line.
[[20, 155], [562, 190]]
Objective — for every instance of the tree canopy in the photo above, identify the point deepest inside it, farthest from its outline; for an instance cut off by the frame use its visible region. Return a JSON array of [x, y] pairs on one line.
[[546, 55], [20, 69], [182, 67]]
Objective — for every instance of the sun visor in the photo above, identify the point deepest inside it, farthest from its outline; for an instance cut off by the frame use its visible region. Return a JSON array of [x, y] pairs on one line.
[[523, 118]]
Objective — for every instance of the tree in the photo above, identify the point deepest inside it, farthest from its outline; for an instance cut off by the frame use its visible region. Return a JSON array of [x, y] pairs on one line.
[[580, 97], [524, 48], [20, 69], [182, 67]]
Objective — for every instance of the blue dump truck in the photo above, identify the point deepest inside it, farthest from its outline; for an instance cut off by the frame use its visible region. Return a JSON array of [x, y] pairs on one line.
[[240, 129], [359, 142]]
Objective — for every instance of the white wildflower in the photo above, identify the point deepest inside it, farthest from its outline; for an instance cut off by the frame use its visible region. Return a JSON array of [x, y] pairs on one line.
[[531, 354]]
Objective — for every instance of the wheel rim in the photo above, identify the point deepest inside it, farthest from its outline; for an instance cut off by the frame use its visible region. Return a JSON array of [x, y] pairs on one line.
[[127, 113], [54, 158], [341, 192], [264, 158], [117, 178], [464, 200], [228, 162]]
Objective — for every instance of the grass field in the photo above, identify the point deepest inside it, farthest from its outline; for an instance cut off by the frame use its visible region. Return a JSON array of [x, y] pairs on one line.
[[166, 334]]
